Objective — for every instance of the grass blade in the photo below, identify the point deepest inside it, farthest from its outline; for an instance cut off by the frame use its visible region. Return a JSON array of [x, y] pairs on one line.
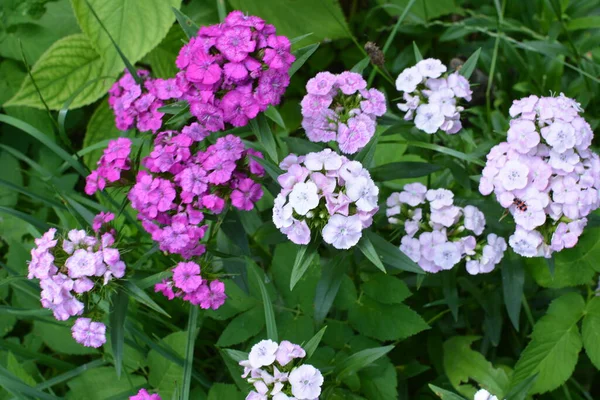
[[118, 313], [328, 286], [20, 389], [143, 298], [189, 353], [188, 26], [269, 313], [42, 226]]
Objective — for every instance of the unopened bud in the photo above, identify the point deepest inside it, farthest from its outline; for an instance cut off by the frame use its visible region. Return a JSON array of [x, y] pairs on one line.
[[375, 54]]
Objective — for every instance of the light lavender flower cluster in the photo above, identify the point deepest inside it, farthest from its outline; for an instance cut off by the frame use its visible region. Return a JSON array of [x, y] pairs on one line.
[[340, 108], [325, 192], [71, 268], [276, 373], [431, 98], [545, 174], [436, 232]]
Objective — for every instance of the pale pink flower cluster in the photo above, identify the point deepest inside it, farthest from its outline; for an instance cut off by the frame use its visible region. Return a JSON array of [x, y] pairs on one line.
[[438, 234], [188, 284], [276, 372], [545, 174], [70, 268], [431, 98], [340, 108], [325, 192]]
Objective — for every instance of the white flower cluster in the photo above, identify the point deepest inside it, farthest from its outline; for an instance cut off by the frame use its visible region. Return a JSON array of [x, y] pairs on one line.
[[436, 231], [430, 98], [271, 368], [483, 394], [327, 192]]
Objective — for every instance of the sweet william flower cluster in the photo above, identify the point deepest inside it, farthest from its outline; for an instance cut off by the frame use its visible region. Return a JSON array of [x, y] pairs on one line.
[[328, 193], [111, 165], [545, 175], [70, 269], [144, 395], [232, 71], [431, 98], [276, 372], [438, 234], [340, 108]]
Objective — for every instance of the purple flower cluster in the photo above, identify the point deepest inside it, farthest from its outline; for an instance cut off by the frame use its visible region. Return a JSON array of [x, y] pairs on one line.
[[232, 71], [545, 174], [138, 106], [188, 284], [72, 269], [182, 183], [431, 98], [340, 108], [272, 370], [327, 192], [436, 231], [114, 160], [144, 395]]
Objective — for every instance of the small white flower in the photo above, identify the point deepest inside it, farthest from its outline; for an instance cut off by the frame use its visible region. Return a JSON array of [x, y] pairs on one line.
[[474, 219], [364, 192], [306, 382], [431, 68], [514, 175], [408, 80], [304, 197], [561, 136], [446, 255], [262, 353], [282, 213], [439, 198], [326, 159], [342, 232], [484, 395], [429, 118]]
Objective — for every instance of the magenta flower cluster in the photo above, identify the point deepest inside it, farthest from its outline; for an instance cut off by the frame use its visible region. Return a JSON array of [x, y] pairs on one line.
[[438, 234], [276, 372], [134, 105], [545, 174], [340, 108], [144, 395], [69, 268], [188, 284], [325, 192], [183, 183], [232, 71], [431, 98], [113, 162]]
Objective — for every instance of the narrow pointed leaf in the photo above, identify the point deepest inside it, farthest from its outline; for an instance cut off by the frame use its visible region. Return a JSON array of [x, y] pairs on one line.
[[118, 313], [368, 250], [304, 257], [302, 55], [418, 56], [360, 360], [269, 313], [189, 352], [391, 255], [469, 66], [328, 286], [188, 26], [311, 346]]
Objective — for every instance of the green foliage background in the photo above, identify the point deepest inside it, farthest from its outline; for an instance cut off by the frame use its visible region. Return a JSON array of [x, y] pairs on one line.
[[530, 328]]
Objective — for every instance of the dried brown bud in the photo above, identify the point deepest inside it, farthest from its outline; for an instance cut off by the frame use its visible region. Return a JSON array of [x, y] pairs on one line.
[[376, 55], [456, 63]]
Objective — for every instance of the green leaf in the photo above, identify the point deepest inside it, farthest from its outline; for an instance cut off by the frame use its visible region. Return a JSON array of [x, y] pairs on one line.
[[403, 170], [142, 297], [385, 321], [186, 383], [590, 330], [391, 255], [423, 10], [386, 289], [188, 26], [360, 360], [304, 257], [513, 279], [328, 286], [462, 364], [324, 18], [366, 247], [137, 26], [165, 375], [450, 291], [65, 67], [274, 115], [311, 346], [302, 55], [270, 168], [221, 391], [469, 66], [554, 348], [59, 339], [118, 313], [520, 391], [268, 306], [444, 394], [367, 155], [100, 127], [361, 65], [16, 386], [418, 55], [242, 327], [100, 384], [262, 130], [589, 22]]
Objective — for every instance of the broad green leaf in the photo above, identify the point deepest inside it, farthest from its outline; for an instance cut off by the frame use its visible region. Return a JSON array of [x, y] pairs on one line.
[[13, 75], [324, 18], [380, 381], [100, 127], [391, 255], [386, 289], [513, 279], [64, 68], [469, 66], [328, 286], [385, 321], [242, 327], [118, 313], [15, 385], [366, 247], [13, 365], [422, 10], [520, 391], [555, 345], [463, 364], [313, 343], [59, 339], [590, 331], [137, 26], [100, 384], [445, 394], [360, 360], [165, 375], [221, 391], [403, 170], [589, 22]]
